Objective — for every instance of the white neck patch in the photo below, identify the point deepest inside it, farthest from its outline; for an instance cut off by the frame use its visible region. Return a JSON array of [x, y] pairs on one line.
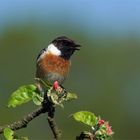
[[52, 49]]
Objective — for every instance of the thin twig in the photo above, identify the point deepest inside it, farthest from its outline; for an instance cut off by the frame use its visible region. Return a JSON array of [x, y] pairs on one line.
[[86, 136], [54, 128], [53, 125], [24, 121], [51, 110]]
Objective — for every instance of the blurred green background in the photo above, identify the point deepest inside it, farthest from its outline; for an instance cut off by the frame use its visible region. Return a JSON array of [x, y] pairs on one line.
[[105, 73]]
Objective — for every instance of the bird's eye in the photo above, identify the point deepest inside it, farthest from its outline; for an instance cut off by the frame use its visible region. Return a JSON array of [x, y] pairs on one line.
[[65, 43]]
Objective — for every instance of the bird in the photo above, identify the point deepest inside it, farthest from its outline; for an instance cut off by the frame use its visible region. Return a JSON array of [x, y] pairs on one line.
[[53, 62]]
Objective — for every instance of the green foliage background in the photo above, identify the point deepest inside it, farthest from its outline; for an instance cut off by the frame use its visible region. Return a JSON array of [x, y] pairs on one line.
[[105, 74]]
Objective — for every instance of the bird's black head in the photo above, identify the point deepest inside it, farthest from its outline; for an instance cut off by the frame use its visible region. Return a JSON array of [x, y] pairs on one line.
[[66, 46]]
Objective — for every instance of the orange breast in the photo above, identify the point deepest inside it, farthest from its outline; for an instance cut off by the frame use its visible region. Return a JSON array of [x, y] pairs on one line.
[[51, 63]]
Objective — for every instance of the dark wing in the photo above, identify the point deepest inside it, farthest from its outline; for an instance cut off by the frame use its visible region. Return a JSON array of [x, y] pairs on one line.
[[40, 53]]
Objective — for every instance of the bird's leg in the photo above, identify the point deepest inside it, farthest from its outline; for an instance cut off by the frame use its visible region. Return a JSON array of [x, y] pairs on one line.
[[39, 86]]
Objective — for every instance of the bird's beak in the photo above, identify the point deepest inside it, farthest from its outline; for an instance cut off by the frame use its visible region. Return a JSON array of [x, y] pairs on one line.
[[77, 47]]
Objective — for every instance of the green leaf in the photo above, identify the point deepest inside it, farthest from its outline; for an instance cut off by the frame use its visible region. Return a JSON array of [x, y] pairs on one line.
[[55, 96], [37, 99], [24, 138], [8, 133], [22, 95], [70, 96], [85, 117]]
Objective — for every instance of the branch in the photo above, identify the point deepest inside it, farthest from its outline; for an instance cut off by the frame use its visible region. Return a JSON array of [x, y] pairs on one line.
[[47, 106]]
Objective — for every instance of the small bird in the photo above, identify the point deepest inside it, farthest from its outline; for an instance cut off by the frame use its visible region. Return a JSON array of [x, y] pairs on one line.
[[53, 63]]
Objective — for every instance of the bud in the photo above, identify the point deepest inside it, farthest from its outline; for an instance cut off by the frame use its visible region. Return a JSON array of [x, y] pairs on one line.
[[100, 122], [55, 85]]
